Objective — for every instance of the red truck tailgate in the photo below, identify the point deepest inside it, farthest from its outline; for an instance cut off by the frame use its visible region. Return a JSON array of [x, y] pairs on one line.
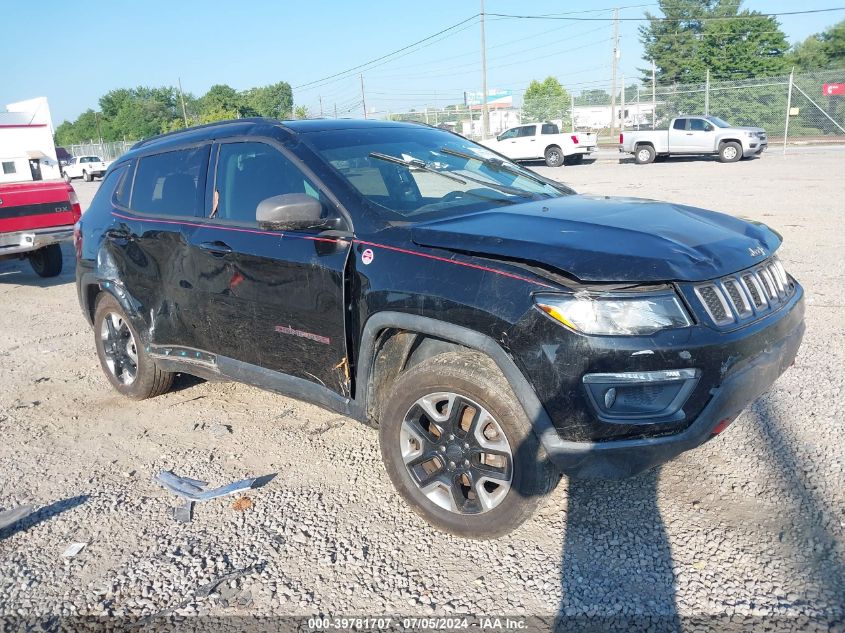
[[38, 204]]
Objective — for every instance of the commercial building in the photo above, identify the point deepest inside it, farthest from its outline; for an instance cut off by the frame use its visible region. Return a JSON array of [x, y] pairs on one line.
[[27, 151]]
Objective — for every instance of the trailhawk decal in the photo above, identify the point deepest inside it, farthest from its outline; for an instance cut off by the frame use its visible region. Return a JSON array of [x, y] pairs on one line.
[[286, 329]]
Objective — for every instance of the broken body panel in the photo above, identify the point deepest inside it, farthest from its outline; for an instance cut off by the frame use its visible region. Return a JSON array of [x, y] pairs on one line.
[[306, 313]]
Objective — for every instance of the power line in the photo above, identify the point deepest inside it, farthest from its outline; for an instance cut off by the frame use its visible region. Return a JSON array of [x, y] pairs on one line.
[[378, 59], [656, 19]]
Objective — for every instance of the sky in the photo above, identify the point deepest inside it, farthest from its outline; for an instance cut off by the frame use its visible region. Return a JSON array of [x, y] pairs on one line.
[[73, 56]]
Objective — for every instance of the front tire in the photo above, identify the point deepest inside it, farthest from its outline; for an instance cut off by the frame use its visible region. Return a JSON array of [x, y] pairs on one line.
[[86, 176], [123, 358], [47, 261], [460, 449], [730, 152], [554, 156]]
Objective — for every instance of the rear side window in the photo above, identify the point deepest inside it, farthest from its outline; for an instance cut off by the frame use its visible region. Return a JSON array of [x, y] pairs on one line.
[[248, 173], [528, 130], [549, 128], [171, 183], [680, 124]]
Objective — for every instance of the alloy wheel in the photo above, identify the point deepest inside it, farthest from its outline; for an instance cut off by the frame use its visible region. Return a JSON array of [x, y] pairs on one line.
[[119, 348], [456, 453]]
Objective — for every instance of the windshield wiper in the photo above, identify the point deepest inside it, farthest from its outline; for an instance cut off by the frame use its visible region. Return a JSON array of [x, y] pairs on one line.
[[499, 165], [416, 163]]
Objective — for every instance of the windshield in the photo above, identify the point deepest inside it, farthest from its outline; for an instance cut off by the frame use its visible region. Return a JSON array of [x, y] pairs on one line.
[[425, 172], [717, 121]]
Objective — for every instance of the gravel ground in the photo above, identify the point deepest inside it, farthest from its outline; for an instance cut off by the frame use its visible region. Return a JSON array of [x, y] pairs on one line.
[[748, 528]]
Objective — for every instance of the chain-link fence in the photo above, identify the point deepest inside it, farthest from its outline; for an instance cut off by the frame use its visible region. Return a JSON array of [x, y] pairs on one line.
[[106, 151], [770, 102]]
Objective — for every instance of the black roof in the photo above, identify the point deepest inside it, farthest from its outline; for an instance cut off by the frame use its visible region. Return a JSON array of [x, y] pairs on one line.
[[254, 125]]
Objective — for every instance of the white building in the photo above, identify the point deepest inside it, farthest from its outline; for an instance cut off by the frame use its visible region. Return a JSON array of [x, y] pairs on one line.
[[597, 117], [27, 151]]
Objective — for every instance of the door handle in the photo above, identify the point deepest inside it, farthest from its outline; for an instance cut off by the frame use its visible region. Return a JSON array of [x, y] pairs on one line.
[[217, 248], [689, 133]]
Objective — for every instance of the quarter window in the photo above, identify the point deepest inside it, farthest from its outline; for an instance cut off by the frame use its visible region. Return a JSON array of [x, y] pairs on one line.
[[248, 173], [549, 128], [171, 183], [527, 130], [680, 124]]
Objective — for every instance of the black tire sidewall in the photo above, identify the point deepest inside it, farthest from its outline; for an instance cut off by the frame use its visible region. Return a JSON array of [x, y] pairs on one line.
[[145, 379], [730, 144], [549, 151], [47, 261], [651, 155], [528, 487]]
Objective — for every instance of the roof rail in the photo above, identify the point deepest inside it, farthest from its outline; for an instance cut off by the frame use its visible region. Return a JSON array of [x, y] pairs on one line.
[[157, 137]]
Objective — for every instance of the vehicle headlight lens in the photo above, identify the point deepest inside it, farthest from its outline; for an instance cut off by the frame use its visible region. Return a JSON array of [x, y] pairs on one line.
[[617, 314]]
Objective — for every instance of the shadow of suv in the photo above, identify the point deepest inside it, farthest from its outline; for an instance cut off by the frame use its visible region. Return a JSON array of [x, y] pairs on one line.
[[497, 328]]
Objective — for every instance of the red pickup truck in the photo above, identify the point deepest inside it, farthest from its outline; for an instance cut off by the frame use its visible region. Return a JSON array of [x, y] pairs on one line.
[[35, 217]]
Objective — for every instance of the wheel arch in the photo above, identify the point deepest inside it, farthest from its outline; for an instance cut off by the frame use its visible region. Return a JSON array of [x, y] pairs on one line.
[[723, 141], [393, 341]]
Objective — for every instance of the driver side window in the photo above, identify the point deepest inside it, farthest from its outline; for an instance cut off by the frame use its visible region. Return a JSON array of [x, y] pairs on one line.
[[509, 134], [248, 173]]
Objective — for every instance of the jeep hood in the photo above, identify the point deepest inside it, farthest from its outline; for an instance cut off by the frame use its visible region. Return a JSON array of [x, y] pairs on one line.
[[597, 239]]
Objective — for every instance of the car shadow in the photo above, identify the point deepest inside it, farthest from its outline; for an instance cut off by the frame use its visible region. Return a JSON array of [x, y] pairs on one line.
[[42, 514], [606, 582], [18, 272]]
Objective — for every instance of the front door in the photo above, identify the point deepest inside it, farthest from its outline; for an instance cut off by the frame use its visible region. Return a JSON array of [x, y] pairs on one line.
[[701, 136], [679, 136], [526, 141], [276, 299]]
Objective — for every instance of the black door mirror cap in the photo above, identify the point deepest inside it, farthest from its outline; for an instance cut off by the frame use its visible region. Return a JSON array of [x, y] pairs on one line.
[[290, 212]]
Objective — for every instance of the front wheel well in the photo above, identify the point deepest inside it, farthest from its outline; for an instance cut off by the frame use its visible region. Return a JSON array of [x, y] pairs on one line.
[[92, 291], [396, 351], [729, 140]]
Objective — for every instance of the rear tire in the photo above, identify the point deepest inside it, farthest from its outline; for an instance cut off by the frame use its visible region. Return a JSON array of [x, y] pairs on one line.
[[730, 152], [644, 154], [47, 261], [123, 358], [86, 176], [441, 467], [554, 156]]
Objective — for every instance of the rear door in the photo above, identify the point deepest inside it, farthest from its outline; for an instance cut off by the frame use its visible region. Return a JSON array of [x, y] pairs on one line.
[[150, 245], [277, 299], [526, 145], [678, 136]]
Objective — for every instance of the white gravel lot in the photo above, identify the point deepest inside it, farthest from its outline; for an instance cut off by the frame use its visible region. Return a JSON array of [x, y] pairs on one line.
[[747, 529]]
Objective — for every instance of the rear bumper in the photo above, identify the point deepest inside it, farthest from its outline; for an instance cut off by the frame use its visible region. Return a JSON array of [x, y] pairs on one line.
[[27, 241], [615, 459]]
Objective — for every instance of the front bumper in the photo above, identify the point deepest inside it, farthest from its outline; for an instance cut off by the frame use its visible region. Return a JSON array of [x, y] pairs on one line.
[[624, 458], [27, 241], [734, 367]]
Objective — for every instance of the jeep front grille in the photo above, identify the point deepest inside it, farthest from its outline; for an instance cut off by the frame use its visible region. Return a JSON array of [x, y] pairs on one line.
[[747, 295]]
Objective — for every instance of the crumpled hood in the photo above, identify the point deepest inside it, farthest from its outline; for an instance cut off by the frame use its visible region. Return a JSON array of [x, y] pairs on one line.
[[597, 239]]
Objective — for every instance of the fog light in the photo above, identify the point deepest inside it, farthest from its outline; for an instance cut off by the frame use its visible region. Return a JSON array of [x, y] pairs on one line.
[[649, 396], [609, 397]]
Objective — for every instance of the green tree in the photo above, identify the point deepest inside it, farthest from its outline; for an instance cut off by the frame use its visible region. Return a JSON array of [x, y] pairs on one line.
[[221, 102], [693, 36], [300, 112], [593, 97], [545, 100], [821, 50], [274, 101]]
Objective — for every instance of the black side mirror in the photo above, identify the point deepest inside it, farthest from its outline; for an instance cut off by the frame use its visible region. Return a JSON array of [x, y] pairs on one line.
[[290, 212]]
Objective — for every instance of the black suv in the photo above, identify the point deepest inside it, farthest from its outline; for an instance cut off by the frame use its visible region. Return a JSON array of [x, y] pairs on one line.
[[496, 328]]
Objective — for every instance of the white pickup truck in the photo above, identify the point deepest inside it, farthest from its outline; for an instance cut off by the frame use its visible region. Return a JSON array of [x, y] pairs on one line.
[[543, 141], [689, 135], [85, 167]]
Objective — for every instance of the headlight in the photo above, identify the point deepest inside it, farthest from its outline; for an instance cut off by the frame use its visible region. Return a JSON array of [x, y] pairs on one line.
[[620, 314]]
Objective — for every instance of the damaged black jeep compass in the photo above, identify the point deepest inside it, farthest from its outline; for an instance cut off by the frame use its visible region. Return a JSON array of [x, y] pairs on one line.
[[496, 328]]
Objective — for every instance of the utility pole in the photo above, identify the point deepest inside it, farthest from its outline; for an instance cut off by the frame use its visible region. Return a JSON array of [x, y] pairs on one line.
[[707, 93], [613, 73], [788, 108], [653, 95], [622, 106], [320, 97], [182, 97], [363, 99], [485, 111]]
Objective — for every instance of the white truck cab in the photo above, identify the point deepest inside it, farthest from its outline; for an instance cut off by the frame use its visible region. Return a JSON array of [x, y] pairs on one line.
[[85, 167]]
